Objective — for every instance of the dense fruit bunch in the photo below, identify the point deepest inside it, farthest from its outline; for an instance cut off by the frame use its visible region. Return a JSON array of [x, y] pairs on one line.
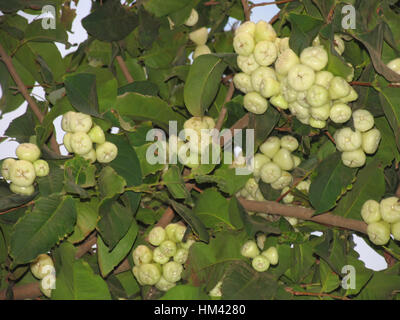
[[198, 36], [22, 172], [80, 136], [163, 265], [383, 219], [43, 268], [261, 261]]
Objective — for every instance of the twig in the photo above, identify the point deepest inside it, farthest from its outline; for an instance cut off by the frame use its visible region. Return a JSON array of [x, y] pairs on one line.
[[269, 3], [224, 110], [274, 18], [369, 84], [86, 245], [19, 207], [246, 10], [211, 3], [124, 69], [240, 124], [314, 294]]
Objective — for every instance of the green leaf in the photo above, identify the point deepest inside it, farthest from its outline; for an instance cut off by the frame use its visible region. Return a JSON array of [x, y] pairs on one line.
[[164, 7], [81, 92], [110, 183], [329, 280], [36, 32], [185, 292], [22, 128], [202, 82], [175, 184], [146, 88], [146, 167], [332, 180], [108, 260], [302, 260], [37, 232], [263, 124], [9, 199], [110, 22], [86, 219]]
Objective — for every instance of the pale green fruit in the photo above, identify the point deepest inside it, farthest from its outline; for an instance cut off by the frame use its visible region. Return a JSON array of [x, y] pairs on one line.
[[340, 113], [321, 113], [6, 167], [289, 198], [26, 191], [301, 77], [296, 161], [159, 257], [259, 196], [157, 235], [286, 61], [168, 248], [66, 121], [149, 274], [81, 143], [363, 120], [251, 186], [261, 238], [22, 173], [142, 254], [314, 57], [292, 221], [352, 96], [390, 209], [250, 249], [350, 77], [264, 31], [282, 44], [370, 211], [283, 181], [289, 142], [270, 87], [196, 124], [172, 271], [272, 255], [200, 50], [242, 82], [244, 193], [248, 27], [371, 140], [135, 271], [288, 93], [338, 44], [41, 168], [279, 102], [354, 159], [338, 88], [199, 36], [283, 158], [302, 99], [45, 285], [193, 18], [347, 139], [265, 53], [323, 78], [304, 186], [96, 134], [243, 43], [81, 122], [255, 103], [394, 65], [179, 233], [28, 151], [216, 291], [259, 75], [170, 231], [67, 142], [189, 157], [395, 229], [315, 123], [270, 172], [247, 64], [379, 232], [90, 156], [317, 96], [106, 152], [304, 120], [258, 161], [164, 285], [260, 263], [271, 146], [317, 41], [40, 266], [181, 255]]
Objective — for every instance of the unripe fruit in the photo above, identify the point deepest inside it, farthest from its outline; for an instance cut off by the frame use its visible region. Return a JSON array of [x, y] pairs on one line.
[[286, 61], [347, 139], [251, 186], [390, 209], [354, 159], [321, 113], [81, 143], [288, 93], [170, 231], [279, 101], [200, 50], [283, 158], [301, 77], [272, 255], [371, 140], [264, 31], [48, 281], [187, 244], [395, 230], [22, 173], [298, 110], [304, 120], [106, 152], [289, 142], [304, 186], [250, 249], [216, 291], [142, 254], [259, 75], [193, 18], [243, 43], [352, 96], [149, 274], [363, 120], [292, 221], [379, 232], [67, 120], [260, 263], [96, 134], [394, 65], [90, 156], [302, 99], [270, 87], [199, 36], [157, 235], [168, 248], [255, 103], [282, 44], [283, 181], [259, 196], [247, 64], [338, 44], [258, 161], [289, 197], [164, 285], [317, 96], [271, 146], [296, 161], [41, 168], [172, 271], [28, 151], [67, 142], [181, 255], [248, 26], [81, 122], [179, 233], [370, 211], [242, 82], [340, 113], [159, 257], [39, 267], [338, 88], [270, 172], [323, 78], [314, 57], [315, 123], [6, 168], [265, 53]]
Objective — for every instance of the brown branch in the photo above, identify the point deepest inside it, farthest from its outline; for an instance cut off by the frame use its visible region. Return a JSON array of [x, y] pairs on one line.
[[240, 124], [269, 3], [224, 110], [124, 69], [246, 10], [19, 207], [211, 3], [86, 245], [274, 18], [314, 294], [370, 84]]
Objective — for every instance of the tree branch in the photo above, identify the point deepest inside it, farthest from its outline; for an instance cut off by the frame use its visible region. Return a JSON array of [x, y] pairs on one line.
[[246, 10], [224, 110], [124, 69], [269, 3]]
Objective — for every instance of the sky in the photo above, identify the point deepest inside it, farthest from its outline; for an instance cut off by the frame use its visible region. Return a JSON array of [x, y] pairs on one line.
[[78, 35]]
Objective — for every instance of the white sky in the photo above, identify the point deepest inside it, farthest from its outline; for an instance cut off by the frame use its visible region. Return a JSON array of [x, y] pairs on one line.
[[78, 35]]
